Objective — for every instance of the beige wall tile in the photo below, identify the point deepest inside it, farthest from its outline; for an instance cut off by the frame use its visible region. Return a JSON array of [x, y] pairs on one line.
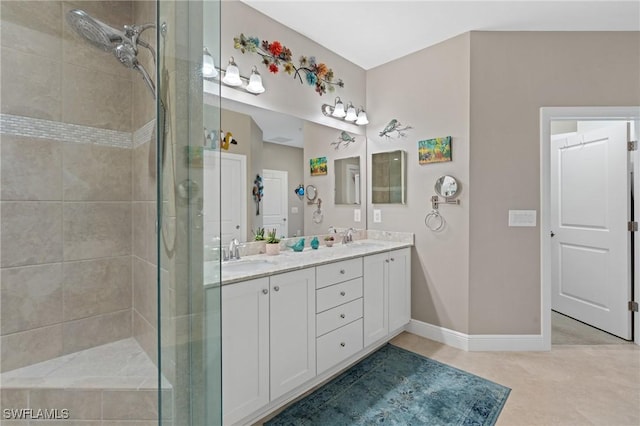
[[32, 27], [94, 287], [97, 99], [144, 172], [82, 404], [145, 295], [30, 347], [31, 233], [14, 398], [30, 297], [151, 234], [97, 330], [96, 173], [146, 335], [93, 230], [130, 405], [31, 169], [40, 77], [139, 213]]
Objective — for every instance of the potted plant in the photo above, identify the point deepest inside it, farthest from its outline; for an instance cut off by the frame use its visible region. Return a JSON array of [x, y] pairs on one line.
[[328, 240], [273, 243], [259, 234]]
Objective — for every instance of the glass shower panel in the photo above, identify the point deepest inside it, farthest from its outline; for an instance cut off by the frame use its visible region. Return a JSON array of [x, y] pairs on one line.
[[189, 306]]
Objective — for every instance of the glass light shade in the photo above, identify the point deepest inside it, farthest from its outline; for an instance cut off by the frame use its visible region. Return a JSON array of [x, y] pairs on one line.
[[232, 75], [255, 82], [338, 109], [351, 114], [208, 66], [362, 118]]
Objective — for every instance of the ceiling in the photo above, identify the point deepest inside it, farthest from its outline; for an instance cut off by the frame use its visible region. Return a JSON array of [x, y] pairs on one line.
[[370, 33]]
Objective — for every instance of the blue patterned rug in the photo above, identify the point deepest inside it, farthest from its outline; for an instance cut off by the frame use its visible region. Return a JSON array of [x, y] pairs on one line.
[[393, 386]]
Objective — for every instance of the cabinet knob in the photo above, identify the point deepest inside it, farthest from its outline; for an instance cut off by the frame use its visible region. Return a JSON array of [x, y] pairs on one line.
[[342, 271], [343, 344], [342, 293], [386, 260], [276, 288], [342, 315], [392, 259], [265, 291]]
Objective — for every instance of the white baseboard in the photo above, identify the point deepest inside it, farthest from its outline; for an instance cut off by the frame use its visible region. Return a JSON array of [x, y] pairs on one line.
[[477, 342]]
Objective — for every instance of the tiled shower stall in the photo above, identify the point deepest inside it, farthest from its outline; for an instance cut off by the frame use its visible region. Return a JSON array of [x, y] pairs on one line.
[[79, 283]]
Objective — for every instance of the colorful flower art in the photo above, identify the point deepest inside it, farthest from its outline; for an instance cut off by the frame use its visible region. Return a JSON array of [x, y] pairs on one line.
[[275, 55]]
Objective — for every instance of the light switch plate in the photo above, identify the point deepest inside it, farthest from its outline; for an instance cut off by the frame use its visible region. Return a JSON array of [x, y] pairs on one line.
[[377, 216], [522, 218], [356, 215]]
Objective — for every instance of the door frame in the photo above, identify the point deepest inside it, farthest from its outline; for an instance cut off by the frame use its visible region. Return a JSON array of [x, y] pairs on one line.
[[548, 114]]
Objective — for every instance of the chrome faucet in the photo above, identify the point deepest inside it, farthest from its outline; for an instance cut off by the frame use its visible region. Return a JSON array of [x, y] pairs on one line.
[[347, 237], [234, 249]]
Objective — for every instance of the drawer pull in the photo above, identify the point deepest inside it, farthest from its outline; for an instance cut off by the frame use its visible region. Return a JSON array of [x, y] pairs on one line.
[[276, 288], [392, 259], [342, 293], [342, 271], [343, 344], [342, 316], [265, 291], [386, 260]]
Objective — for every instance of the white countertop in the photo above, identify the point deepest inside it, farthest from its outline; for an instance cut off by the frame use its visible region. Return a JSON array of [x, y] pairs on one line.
[[262, 265]]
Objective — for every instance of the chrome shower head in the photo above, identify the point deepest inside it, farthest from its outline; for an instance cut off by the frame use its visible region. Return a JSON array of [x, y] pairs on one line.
[[97, 33]]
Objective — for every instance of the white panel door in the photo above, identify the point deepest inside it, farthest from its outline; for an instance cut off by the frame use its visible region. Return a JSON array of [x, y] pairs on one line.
[[292, 330], [275, 203], [591, 278], [225, 205], [245, 348]]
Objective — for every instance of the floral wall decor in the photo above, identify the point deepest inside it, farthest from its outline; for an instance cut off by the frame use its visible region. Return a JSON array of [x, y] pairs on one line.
[[395, 128], [344, 139], [275, 55]]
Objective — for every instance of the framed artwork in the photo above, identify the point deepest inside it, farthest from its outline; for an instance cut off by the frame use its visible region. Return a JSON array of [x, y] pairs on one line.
[[435, 150], [318, 166]]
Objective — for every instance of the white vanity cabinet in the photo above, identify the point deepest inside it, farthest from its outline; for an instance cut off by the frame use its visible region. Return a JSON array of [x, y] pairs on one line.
[[292, 330], [387, 293], [268, 340], [245, 348]]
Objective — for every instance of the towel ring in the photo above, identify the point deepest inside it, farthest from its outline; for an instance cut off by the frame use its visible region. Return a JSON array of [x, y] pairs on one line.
[[434, 221]]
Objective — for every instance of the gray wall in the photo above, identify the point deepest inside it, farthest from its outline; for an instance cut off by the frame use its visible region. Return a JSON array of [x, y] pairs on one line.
[[513, 75], [282, 157], [435, 101]]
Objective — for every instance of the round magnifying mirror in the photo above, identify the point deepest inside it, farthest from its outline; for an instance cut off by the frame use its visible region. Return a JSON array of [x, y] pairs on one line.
[[311, 193], [447, 186]]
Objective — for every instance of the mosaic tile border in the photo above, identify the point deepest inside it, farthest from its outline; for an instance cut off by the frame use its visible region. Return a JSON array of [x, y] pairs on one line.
[[144, 133], [64, 132]]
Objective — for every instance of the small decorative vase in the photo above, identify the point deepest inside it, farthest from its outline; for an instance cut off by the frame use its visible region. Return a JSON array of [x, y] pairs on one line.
[[315, 243], [273, 249], [328, 243]]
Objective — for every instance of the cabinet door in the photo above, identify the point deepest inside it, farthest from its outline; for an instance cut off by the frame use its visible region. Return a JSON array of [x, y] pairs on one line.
[[293, 330], [399, 276], [375, 298], [245, 348]]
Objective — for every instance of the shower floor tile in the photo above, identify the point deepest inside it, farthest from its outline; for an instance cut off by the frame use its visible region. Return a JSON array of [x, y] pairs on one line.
[[118, 365]]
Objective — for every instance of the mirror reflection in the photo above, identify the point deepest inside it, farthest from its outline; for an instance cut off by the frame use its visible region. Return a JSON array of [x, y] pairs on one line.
[[347, 180], [312, 193], [389, 177], [447, 186]]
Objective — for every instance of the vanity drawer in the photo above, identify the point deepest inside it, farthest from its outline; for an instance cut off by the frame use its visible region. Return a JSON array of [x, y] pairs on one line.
[[340, 344], [338, 316], [338, 294], [338, 272]]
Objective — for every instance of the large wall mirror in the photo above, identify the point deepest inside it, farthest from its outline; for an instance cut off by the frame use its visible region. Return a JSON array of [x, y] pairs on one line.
[[347, 180], [389, 177]]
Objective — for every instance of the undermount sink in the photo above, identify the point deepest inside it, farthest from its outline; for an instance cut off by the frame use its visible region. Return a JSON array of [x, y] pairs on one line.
[[248, 265], [365, 244]]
